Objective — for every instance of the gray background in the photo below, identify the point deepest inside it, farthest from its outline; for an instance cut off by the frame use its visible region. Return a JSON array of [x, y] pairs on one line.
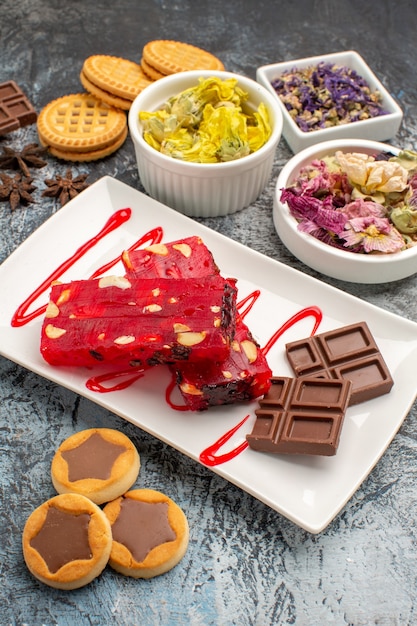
[[245, 563]]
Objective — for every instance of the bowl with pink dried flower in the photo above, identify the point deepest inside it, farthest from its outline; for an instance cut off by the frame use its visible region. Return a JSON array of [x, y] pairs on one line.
[[348, 209]]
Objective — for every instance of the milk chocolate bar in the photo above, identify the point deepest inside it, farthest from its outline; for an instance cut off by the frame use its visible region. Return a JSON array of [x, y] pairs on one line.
[[349, 352], [301, 416], [15, 109]]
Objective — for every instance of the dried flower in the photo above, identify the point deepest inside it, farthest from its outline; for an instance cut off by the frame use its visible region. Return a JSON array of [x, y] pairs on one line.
[[320, 212], [405, 219], [357, 202], [373, 176], [206, 124], [373, 234], [326, 95], [364, 208]]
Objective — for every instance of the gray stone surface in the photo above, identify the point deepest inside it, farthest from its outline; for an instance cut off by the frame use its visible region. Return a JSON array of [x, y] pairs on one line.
[[245, 564]]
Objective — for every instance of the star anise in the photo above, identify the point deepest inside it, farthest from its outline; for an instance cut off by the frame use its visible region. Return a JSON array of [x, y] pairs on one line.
[[66, 187], [16, 189], [29, 156]]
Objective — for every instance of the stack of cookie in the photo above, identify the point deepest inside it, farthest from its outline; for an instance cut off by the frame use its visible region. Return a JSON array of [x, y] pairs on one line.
[[79, 127], [163, 57], [115, 81], [93, 125]]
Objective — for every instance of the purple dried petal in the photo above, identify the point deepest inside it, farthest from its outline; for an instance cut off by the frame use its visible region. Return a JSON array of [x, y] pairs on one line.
[[326, 95], [321, 212]]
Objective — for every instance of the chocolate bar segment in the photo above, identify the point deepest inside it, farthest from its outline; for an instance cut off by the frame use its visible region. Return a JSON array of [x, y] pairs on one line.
[[15, 109], [301, 416], [349, 352]]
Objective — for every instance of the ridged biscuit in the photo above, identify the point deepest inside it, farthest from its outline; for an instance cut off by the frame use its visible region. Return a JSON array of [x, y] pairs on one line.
[[150, 533], [99, 463], [80, 123], [150, 71], [67, 541], [94, 155], [115, 75], [170, 57], [105, 96]]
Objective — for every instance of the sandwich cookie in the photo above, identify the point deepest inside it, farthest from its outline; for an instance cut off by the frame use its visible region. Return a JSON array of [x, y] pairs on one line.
[[80, 127], [114, 80], [169, 57]]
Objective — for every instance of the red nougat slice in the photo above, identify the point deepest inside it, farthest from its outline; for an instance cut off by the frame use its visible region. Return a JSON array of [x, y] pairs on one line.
[[183, 258], [243, 375], [139, 322]]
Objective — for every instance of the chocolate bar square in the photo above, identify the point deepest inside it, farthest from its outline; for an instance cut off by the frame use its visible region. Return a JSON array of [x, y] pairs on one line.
[[349, 352], [301, 416], [15, 109]]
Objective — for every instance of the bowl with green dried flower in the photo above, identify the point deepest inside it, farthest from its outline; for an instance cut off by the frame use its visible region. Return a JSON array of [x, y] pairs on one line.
[[205, 140], [331, 96], [348, 209]]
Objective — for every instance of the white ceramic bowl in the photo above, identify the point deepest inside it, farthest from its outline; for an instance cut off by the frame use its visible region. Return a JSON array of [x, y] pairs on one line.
[[379, 128], [203, 189], [348, 266]]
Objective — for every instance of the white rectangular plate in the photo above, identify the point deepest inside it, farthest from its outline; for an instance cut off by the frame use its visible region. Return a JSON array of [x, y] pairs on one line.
[[309, 491]]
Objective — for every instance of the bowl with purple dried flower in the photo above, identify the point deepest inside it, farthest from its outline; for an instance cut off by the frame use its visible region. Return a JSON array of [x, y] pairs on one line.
[[333, 96], [348, 209]]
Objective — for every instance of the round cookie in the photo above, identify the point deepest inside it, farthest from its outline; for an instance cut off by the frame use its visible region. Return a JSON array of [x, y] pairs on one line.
[[80, 123], [115, 75], [67, 541], [150, 533], [99, 463], [105, 96], [94, 155], [151, 71], [170, 57]]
